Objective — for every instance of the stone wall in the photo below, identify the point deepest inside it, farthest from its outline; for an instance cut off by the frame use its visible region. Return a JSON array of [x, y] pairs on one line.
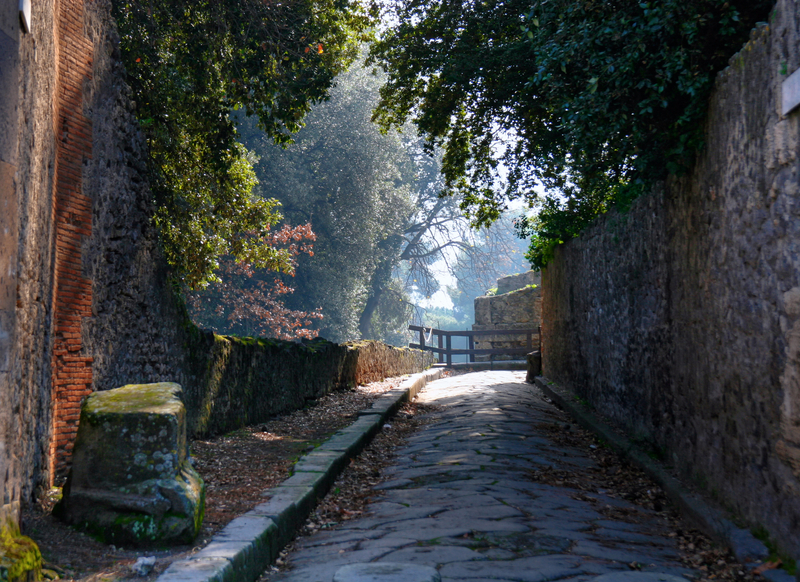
[[234, 382], [517, 305], [28, 133], [681, 319]]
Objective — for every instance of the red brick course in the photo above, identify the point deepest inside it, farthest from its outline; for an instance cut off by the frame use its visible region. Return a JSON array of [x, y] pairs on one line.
[[72, 371]]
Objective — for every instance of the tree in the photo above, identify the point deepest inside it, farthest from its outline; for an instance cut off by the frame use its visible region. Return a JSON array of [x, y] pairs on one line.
[[248, 302], [353, 185], [373, 201], [500, 253], [189, 63], [592, 99]]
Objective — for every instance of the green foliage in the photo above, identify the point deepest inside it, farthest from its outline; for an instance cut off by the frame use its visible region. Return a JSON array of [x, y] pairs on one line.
[[354, 185], [189, 63], [775, 554], [20, 558], [592, 99], [447, 319]]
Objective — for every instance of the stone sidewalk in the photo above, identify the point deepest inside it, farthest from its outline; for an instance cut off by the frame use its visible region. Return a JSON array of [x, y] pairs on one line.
[[459, 505]]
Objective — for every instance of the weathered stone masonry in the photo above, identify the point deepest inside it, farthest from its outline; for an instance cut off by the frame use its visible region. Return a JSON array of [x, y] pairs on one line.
[[681, 319]]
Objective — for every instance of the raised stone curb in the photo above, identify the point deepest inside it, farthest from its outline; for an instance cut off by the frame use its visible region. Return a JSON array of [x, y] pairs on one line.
[[712, 521], [251, 542]]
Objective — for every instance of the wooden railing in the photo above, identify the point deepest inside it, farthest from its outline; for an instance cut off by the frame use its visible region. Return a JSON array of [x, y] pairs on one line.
[[444, 347]]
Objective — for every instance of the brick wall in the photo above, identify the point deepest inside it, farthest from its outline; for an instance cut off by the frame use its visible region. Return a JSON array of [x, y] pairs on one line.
[[72, 299]]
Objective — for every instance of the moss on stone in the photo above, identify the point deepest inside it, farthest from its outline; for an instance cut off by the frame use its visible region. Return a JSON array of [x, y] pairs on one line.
[[161, 397], [20, 559]]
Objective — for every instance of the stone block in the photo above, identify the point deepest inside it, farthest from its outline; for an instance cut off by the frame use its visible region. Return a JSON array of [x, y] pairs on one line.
[[534, 366], [199, 570], [131, 481], [313, 479], [248, 542], [387, 404], [518, 281], [288, 508], [352, 439], [321, 461], [483, 310]]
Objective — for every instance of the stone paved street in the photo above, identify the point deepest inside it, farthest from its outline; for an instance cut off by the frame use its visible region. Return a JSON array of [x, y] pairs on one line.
[[460, 500]]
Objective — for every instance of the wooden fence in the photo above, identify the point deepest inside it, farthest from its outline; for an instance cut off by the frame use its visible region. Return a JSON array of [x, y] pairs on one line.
[[443, 340]]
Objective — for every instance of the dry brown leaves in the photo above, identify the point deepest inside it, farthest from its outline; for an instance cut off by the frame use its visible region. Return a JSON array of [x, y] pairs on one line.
[[236, 468], [614, 477]]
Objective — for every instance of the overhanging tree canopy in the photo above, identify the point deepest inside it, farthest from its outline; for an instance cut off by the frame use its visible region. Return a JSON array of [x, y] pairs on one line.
[[189, 63], [593, 99]]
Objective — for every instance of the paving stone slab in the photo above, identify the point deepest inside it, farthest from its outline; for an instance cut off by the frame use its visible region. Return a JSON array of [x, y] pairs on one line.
[[433, 555], [338, 559], [778, 576], [624, 556], [488, 511], [639, 577], [536, 569], [623, 536], [386, 572], [199, 569]]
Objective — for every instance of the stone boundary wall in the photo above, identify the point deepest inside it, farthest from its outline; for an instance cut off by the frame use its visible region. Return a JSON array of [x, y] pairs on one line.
[[26, 397], [234, 382], [518, 308], [680, 320]]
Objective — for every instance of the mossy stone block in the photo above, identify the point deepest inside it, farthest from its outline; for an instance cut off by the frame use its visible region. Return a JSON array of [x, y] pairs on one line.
[[130, 434], [131, 481], [20, 559]]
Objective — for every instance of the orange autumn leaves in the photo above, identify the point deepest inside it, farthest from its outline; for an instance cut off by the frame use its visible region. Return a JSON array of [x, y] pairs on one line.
[[247, 302]]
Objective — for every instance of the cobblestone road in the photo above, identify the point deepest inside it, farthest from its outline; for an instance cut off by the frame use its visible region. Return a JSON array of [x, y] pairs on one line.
[[460, 500]]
